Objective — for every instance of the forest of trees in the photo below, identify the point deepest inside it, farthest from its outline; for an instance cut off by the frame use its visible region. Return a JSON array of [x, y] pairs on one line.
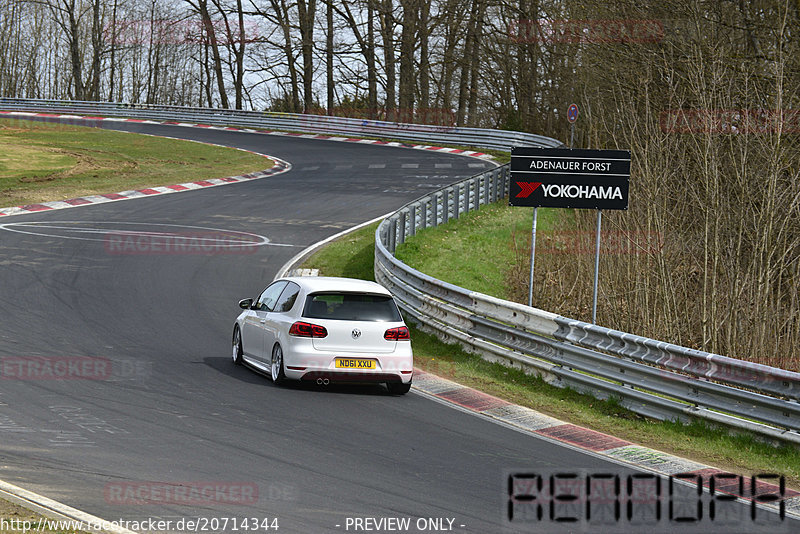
[[466, 62], [721, 190]]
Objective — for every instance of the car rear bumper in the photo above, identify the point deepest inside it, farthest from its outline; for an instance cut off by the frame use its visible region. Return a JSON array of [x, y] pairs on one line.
[[355, 377], [303, 362]]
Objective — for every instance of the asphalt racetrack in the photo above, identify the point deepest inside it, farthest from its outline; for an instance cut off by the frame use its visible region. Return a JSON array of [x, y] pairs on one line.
[[174, 412]]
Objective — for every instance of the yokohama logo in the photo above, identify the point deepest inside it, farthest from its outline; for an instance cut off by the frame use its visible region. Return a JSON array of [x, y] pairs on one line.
[[526, 188], [582, 191], [570, 191]]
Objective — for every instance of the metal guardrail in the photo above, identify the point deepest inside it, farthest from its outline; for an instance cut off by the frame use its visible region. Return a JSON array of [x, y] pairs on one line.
[[425, 134], [650, 377]]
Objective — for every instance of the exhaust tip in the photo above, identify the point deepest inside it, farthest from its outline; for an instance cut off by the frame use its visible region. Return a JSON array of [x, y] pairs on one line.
[[325, 381], [319, 381]]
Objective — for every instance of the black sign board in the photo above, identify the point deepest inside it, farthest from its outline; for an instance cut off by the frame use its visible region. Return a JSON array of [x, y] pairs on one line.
[[564, 178]]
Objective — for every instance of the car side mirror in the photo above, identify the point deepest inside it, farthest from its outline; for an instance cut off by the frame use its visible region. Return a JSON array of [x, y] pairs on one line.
[[246, 304]]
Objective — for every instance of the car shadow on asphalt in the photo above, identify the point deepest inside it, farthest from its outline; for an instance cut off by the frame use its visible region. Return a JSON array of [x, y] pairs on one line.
[[251, 375]]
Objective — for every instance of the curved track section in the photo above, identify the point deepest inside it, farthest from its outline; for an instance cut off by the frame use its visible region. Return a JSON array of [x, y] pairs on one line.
[[158, 400]]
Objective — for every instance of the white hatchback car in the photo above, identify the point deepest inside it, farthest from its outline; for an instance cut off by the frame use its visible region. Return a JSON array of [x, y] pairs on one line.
[[325, 329]]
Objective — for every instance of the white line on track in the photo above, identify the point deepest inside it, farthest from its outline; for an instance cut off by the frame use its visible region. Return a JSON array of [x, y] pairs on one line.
[[225, 235]]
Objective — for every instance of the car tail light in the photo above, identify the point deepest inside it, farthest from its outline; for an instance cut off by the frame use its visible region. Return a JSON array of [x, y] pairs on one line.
[[301, 329], [399, 333]]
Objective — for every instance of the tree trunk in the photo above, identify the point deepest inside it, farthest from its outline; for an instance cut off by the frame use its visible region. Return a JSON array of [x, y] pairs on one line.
[[423, 32], [282, 14], [73, 37], [212, 38], [97, 50], [307, 12], [207, 71], [367, 47], [464, 63], [474, 64], [239, 51], [407, 77], [329, 55], [372, 74], [387, 36], [113, 63], [449, 65]]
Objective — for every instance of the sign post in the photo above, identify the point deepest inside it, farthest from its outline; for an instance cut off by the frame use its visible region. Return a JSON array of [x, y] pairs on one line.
[[565, 178], [572, 116], [596, 266], [533, 258]]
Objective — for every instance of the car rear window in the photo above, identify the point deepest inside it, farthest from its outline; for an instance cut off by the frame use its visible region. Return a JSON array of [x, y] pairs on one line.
[[351, 307]]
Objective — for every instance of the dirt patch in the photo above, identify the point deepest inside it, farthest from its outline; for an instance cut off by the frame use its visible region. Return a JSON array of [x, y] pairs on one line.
[[85, 164]]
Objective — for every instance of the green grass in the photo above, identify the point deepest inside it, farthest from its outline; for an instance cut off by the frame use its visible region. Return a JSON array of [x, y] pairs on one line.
[[475, 250], [42, 161], [352, 256]]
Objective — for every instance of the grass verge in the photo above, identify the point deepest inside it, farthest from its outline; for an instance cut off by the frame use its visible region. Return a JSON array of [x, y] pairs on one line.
[[481, 234], [41, 161], [352, 256], [18, 520]]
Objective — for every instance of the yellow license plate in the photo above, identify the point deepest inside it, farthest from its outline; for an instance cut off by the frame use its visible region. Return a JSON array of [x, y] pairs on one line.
[[354, 363]]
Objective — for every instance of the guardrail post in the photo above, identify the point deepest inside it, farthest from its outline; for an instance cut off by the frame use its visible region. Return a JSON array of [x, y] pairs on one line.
[[476, 193], [506, 182], [435, 210], [382, 236], [412, 226], [423, 215], [401, 236], [456, 201], [392, 235], [445, 206], [485, 179]]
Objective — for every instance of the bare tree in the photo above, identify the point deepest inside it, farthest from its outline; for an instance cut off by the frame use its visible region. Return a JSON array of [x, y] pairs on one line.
[[306, 12], [407, 66], [235, 41], [387, 20], [466, 61], [329, 55], [67, 14], [367, 46], [423, 68], [201, 8], [281, 17]]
